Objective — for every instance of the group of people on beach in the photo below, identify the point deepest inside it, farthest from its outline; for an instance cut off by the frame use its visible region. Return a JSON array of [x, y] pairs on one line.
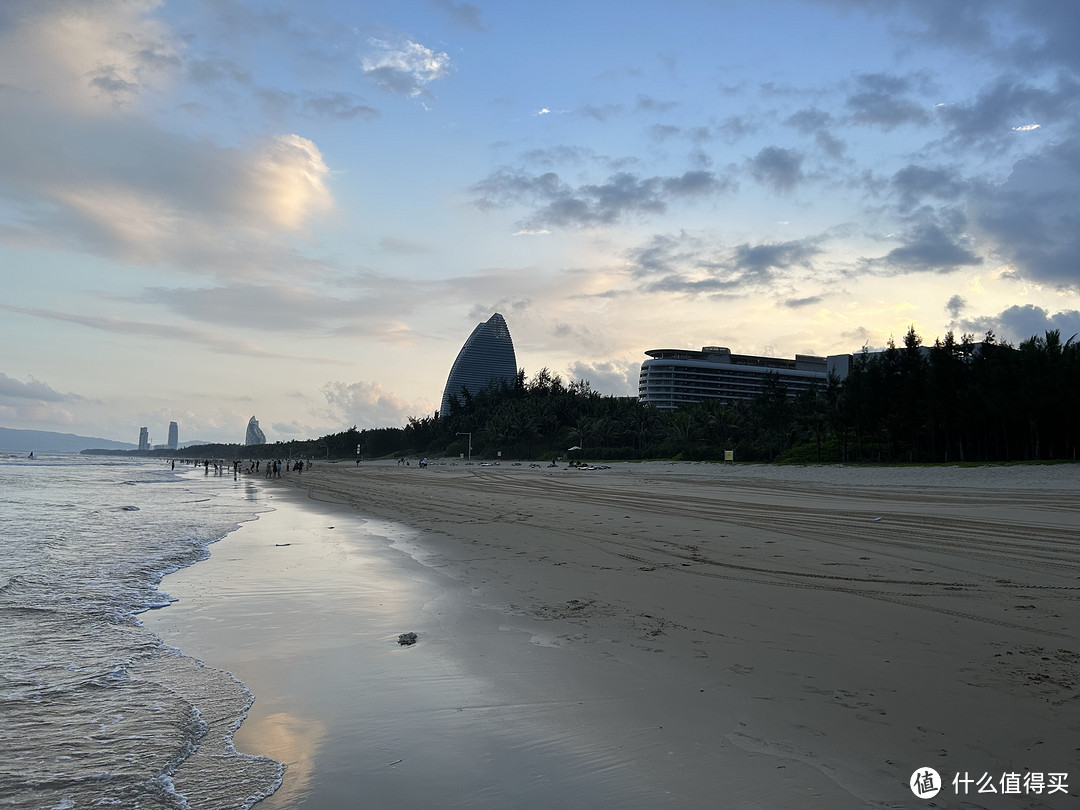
[[273, 467]]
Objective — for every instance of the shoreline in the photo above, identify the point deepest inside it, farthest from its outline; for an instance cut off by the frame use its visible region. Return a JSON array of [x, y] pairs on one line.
[[779, 636]]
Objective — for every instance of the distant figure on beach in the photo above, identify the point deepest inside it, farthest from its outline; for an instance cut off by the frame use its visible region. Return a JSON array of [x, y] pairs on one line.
[[423, 461]]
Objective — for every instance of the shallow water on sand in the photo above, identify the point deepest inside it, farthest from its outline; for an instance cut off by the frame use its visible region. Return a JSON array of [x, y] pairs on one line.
[[97, 710], [306, 605]]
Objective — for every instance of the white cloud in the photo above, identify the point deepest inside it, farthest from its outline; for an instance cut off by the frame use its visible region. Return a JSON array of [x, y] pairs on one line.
[[367, 405], [404, 68], [1026, 127], [87, 55]]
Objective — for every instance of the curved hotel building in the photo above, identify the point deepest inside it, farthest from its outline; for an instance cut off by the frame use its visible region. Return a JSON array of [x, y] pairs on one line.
[[487, 355], [675, 377]]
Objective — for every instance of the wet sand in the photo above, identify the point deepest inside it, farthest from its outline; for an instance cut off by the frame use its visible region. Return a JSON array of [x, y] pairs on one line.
[[650, 635]]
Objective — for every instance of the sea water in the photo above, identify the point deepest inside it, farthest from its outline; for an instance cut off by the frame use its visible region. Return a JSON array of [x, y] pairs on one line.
[[95, 710]]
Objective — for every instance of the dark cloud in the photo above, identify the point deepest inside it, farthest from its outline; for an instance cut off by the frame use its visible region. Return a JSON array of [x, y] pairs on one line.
[[663, 132], [1033, 218], [1036, 33], [913, 183], [736, 127], [35, 389], [797, 303], [930, 246], [759, 260], [879, 102], [955, 306], [664, 253], [561, 205], [1023, 321], [648, 104], [688, 264], [809, 120], [1008, 102], [343, 106], [778, 168], [831, 145]]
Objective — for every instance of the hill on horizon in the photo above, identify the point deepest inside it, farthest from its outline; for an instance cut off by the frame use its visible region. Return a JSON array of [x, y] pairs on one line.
[[47, 441]]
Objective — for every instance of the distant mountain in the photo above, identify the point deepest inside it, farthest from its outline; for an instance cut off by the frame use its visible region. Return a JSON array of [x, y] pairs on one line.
[[46, 441]]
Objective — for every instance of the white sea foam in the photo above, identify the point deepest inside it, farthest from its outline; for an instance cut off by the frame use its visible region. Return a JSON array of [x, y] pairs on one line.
[[98, 711]]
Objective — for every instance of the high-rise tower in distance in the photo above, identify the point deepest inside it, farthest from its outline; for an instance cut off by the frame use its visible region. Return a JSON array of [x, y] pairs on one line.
[[174, 436], [254, 434], [487, 355], [144, 438]]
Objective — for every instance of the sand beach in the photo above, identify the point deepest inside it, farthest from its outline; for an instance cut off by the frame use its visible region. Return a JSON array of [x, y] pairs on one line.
[[652, 635]]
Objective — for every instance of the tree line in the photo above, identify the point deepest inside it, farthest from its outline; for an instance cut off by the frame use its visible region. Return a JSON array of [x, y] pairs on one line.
[[953, 401]]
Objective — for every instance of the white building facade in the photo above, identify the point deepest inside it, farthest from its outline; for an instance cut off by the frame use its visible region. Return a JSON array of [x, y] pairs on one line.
[[675, 377]]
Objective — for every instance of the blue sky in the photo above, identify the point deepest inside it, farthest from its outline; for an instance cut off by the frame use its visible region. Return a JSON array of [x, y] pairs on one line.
[[214, 208]]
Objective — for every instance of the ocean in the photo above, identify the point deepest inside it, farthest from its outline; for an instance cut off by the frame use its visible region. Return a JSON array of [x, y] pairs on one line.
[[95, 710]]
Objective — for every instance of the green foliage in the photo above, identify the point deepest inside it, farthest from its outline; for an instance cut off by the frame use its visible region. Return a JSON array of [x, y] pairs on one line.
[[951, 402]]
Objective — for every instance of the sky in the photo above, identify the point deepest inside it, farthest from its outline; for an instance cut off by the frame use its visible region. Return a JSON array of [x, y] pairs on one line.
[[213, 209]]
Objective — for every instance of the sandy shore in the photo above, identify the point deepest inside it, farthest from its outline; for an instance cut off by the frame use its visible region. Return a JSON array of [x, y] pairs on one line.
[[657, 634]]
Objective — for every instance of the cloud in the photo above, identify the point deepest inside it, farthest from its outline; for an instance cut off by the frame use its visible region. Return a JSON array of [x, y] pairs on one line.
[[590, 205], [129, 191], [692, 264], [649, 104], [1034, 34], [403, 68], [757, 260], [162, 331], [956, 306], [609, 378], [913, 183], [78, 173], [930, 246], [342, 106], [878, 102], [367, 405], [798, 303], [1020, 322], [778, 168], [1033, 218], [809, 120], [90, 56], [35, 389], [289, 307], [992, 117]]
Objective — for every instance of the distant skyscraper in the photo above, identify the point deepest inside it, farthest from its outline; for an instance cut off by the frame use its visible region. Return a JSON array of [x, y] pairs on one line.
[[144, 438], [174, 436], [487, 355], [254, 435]]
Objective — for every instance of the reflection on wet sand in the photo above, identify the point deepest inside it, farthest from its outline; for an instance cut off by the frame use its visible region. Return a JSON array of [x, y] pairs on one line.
[[290, 739]]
